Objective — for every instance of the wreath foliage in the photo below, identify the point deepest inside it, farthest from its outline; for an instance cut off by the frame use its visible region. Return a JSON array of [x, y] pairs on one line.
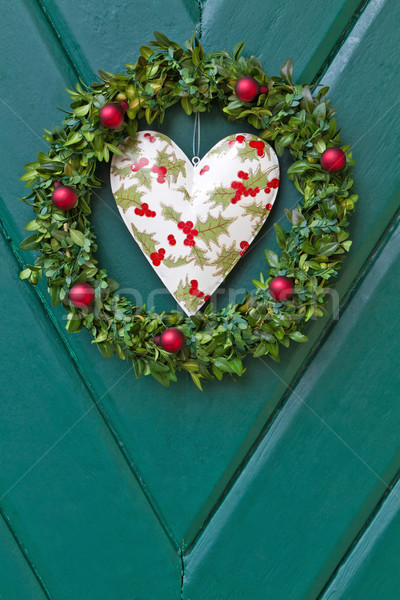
[[311, 250]]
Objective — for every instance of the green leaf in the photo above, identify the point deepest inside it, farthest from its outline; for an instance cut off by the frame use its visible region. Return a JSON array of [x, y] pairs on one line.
[[307, 101], [212, 228], [299, 167], [29, 243], [77, 237], [280, 236], [237, 50], [226, 258], [171, 214], [196, 380], [271, 258], [146, 240], [287, 71], [106, 348], [223, 365], [127, 198], [297, 336], [25, 274]]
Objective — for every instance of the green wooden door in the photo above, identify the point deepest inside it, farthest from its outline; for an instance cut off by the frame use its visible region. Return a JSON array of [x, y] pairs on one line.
[[280, 486]]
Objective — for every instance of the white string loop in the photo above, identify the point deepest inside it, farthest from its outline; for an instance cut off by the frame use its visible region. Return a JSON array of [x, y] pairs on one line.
[[196, 134]]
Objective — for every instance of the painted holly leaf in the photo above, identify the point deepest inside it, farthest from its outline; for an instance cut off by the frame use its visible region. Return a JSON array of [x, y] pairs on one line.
[[127, 198], [144, 177], [169, 213], [175, 166], [185, 193], [222, 196], [225, 260], [221, 149], [259, 178], [255, 211], [199, 256], [145, 240], [247, 152], [182, 294], [132, 148], [170, 261], [212, 228], [121, 171]]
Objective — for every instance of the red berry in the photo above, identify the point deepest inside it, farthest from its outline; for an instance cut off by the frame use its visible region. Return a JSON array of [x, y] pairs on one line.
[[172, 339], [193, 291], [161, 179], [143, 162], [156, 262], [81, 295], [238, 195], [147, 135], [162, 170], [186, 242], [204, 169], [260, 152], [235, 185], [56, 184], [145, 206], [181, 224], [199, 294], [257, 190], [246, 193], [161, 251], [281, 288], [247, 89], [231, 143], [269, 207], [206, 298], [187, 229], [240, 174], [189, 236], [153, 255], [333, 160], [253, 193], [137, 211], [189, 224], [260, 145], [267, 190], [192, 242], [242, 244], [64, 197], [153, 213], [245, 175], [152, 139], [253, 144], [111, 115], [135, 167], [240, 139], [194, 283], [172, 242], [264, 89], [124, 105], [170, 236], [194, 232], [154, 168]]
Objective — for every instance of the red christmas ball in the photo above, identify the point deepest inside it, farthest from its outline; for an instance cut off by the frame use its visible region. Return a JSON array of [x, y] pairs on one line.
[[64, 197], [281, 288], [333, 160], [81, 295], [172, 339], [247, 89], [111, 115]]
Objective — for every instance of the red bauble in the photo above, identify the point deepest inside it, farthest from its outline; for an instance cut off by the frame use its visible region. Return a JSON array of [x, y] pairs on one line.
[[64, 197], [281, 288], [172, 339], [81, 295], [333, 160], [157, 340], [247, 89], [111, 115]]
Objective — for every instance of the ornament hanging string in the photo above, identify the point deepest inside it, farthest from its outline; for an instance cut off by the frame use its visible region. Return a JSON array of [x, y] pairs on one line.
[[196, 134]]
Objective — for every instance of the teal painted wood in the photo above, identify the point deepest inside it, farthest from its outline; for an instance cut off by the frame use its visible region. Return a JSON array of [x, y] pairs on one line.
[[182, 445], [17, 579], [327, 459], [372, 569]]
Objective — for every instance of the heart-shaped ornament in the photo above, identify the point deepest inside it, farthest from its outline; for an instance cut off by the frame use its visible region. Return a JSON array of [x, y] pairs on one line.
[[193, 223]]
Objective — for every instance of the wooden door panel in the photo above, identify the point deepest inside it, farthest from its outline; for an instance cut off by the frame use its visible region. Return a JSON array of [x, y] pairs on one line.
[[321, 469], [371, 570], [17, 579], [186, 448]]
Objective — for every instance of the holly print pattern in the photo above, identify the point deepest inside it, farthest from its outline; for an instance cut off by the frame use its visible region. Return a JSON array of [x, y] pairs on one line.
[[193, 223]]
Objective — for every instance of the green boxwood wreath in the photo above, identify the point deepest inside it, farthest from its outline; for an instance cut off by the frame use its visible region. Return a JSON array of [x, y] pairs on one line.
[[311, 251]]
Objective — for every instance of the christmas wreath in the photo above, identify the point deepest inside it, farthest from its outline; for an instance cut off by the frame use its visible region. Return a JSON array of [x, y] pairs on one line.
[[208, 343]]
